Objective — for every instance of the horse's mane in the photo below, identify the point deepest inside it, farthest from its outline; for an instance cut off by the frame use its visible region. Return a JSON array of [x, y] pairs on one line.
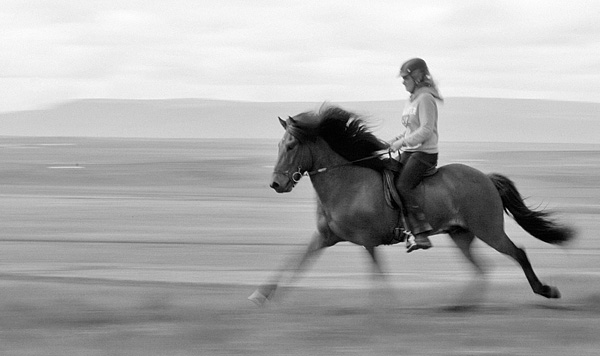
[[345, 132]]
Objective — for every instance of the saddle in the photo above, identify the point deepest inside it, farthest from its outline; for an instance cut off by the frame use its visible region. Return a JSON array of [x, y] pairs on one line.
[[390, 173]]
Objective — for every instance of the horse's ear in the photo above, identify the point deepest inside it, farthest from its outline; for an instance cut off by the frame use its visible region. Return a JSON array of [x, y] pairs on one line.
[[283, 123]]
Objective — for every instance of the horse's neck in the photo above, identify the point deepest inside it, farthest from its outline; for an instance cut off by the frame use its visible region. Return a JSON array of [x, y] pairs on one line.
[[339, 179]]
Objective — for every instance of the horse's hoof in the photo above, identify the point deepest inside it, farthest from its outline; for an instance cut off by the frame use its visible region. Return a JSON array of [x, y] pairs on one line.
[[550, 292], [257, 298], [554, 293]]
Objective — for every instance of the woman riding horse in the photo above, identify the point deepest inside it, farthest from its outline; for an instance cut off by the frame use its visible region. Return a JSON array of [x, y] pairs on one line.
[[418, 145], [340, 155]]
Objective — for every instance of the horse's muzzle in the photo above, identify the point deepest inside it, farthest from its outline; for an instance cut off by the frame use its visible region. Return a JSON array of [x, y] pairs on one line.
[[282, 184]]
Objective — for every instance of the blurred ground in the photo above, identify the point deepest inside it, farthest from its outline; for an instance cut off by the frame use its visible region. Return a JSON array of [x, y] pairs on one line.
[[150, 247]]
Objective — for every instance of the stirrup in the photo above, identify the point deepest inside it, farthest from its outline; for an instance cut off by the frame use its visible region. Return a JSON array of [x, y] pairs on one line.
[[401, 235], [413, 245], [410, 238]]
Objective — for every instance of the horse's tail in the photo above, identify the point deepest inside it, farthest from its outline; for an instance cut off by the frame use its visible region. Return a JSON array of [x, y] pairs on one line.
[[537, 223]]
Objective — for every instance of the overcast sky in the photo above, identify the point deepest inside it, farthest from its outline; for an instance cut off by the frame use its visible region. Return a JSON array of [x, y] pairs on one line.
[[305, 50]]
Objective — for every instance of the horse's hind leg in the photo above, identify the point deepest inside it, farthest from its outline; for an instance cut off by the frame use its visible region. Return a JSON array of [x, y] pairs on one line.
[[473, 294], [502, 243], [463, 240]]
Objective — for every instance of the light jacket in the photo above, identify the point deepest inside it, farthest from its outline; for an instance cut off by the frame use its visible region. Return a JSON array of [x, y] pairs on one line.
[[420, 118]]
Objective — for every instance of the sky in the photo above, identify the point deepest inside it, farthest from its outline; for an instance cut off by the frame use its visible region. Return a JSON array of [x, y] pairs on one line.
[[53, 50]]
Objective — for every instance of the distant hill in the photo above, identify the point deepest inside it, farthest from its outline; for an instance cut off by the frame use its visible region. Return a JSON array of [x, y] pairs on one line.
[[461, 119]]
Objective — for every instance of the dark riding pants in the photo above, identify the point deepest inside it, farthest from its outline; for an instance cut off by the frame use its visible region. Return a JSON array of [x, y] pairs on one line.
[[415, 165]]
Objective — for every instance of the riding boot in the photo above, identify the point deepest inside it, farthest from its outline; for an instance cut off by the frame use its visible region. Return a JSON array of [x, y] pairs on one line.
[[419, 242], [420, 228]]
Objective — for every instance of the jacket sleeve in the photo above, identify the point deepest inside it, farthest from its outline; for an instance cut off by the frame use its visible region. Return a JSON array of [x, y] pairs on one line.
[[427, 112]]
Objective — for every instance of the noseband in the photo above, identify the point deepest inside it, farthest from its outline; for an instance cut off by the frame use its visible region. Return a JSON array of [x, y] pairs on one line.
[[297, 175], [293, 176]]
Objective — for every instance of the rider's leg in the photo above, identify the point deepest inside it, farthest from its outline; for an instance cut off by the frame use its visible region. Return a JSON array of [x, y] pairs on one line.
[[415, 166], [419, 226]]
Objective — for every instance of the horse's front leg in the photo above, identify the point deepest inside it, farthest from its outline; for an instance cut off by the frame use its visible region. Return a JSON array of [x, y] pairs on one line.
[[292, 267], [381, 291], [377, 270]]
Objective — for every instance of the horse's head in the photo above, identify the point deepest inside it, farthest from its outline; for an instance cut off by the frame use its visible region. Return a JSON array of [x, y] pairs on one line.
[[332, 136], [294, 157]]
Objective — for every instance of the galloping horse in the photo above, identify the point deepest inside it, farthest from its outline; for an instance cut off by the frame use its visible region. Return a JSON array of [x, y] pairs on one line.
[[330, 146]]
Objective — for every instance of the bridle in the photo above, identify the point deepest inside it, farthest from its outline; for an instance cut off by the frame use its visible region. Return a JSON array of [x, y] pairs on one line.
[[294, 176], [297, 175]]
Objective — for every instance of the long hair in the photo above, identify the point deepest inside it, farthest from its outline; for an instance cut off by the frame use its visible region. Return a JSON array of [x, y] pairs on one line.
[[427, 80]]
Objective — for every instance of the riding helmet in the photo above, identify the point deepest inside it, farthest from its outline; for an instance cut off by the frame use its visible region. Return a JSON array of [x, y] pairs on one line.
[[412, 65]]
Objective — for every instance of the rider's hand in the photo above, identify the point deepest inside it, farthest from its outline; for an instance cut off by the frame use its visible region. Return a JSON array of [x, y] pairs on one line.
[[395, 146]]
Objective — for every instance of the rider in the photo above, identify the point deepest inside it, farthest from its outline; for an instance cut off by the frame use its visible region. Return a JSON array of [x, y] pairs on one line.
[[418, 145]]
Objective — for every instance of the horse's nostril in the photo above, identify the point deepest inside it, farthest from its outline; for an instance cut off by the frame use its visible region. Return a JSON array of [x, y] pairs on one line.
[[274, 185]]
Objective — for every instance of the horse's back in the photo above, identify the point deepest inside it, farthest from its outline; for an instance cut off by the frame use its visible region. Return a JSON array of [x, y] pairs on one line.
[[459, 194], [459, 173]]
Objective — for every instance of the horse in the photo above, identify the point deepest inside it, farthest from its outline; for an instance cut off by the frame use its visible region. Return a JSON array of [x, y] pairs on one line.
[[341, 155]]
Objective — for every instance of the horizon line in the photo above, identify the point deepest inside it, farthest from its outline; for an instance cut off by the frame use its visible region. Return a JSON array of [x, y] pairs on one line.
[[173, 99]]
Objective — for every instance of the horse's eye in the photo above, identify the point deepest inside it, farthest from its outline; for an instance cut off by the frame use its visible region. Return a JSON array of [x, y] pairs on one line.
[[290, 145]]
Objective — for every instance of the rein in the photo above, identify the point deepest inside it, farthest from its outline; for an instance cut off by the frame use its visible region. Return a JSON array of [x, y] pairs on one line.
[[325, 169], [296, 176]]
